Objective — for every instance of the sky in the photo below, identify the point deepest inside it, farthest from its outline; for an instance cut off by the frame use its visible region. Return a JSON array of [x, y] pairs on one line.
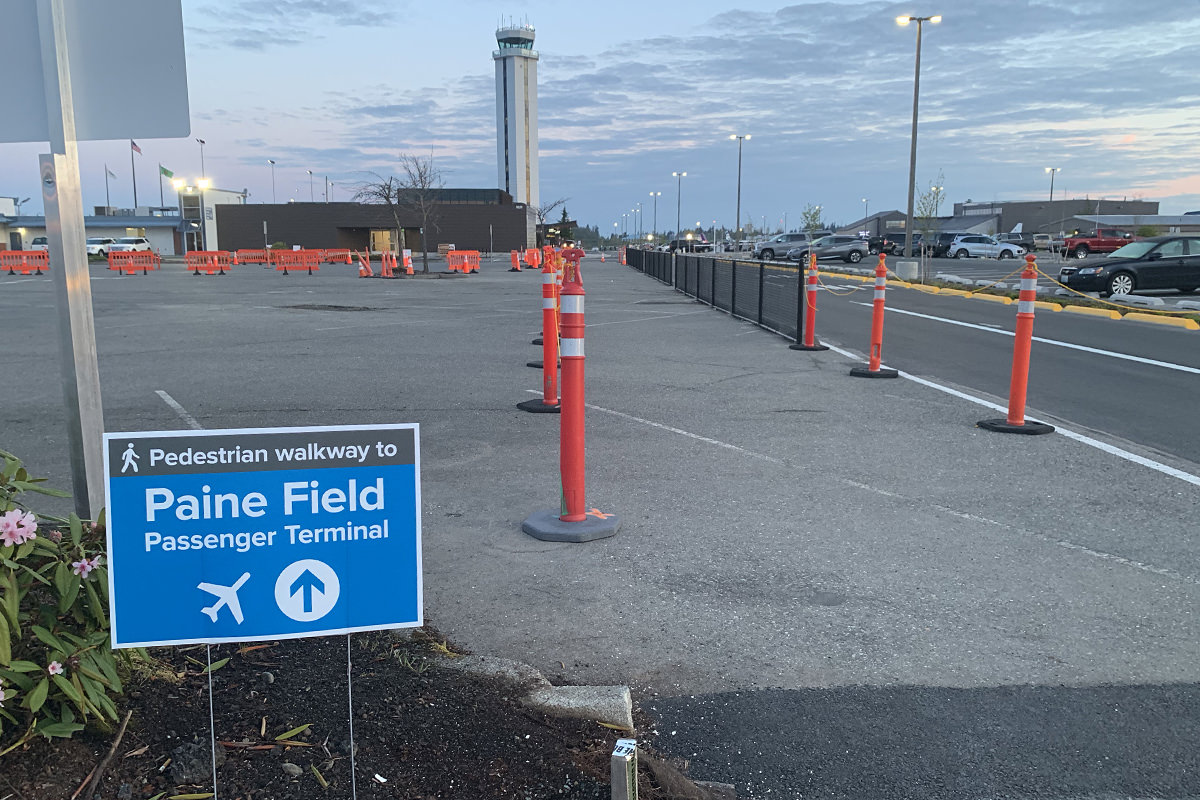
[[629, 92]]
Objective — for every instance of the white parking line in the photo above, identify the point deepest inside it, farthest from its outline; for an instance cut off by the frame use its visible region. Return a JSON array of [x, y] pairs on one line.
[[188, 419], [1109, 353]]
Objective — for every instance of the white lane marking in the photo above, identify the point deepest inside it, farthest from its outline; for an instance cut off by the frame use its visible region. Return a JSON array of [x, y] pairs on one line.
[[1157, 466], [31, 280], [180, 410], [679, 431], [647, 319], [1152, 362]]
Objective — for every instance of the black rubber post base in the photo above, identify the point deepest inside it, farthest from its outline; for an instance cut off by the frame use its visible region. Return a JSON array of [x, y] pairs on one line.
[[536, 406], [514, 269], [537, 341], [546, 525], [882, 372], [801, 346], [1004, 426], [538, 364]]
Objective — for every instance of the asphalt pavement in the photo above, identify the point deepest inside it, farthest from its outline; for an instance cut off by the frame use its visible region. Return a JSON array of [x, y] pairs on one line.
[[823, 586]]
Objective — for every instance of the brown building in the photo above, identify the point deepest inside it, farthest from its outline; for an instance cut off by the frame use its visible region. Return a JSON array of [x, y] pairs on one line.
[[470, 219]]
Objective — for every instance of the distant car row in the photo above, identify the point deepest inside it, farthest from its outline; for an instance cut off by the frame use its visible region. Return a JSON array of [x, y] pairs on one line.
[[101, 245], [1160, 262]]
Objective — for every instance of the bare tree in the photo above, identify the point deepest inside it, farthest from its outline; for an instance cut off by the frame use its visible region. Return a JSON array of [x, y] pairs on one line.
[[543, 211], [414, 194]]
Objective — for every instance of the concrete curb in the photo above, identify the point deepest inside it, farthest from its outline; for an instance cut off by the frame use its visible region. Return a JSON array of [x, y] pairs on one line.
[[612, 705]]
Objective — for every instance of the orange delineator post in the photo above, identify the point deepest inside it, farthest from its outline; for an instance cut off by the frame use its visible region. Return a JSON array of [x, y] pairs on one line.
[[128, 262], [364, 265], [809, 310], [1022, 344], [26, 261], [549, 402], [516, 261], [571, 434], [873, 369], [621, 255]]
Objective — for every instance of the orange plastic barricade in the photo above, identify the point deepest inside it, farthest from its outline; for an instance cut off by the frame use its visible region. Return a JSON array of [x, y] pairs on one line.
[[212, 262], [471, 259], [129, 262], [250, 257], [294, 260], [336, 256], [455, 261], [516, 262], [25, 260]]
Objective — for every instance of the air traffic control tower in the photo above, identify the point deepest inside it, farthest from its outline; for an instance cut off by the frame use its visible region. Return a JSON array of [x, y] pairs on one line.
[[516, 113]]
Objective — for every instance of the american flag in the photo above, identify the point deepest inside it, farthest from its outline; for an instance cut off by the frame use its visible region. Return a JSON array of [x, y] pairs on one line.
[[136, 149]]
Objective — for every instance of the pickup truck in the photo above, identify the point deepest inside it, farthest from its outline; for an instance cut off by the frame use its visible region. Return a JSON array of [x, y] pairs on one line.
[[1103, 240]]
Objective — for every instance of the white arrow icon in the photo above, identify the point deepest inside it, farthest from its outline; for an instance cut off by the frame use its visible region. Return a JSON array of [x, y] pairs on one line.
[[307, 590]]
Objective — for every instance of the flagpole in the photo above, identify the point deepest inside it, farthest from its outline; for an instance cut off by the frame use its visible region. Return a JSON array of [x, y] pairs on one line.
[[107, 202], [133, 172], [161, 202]]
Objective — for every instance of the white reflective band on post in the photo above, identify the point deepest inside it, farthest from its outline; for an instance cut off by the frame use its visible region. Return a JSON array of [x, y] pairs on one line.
[[548, 277], [1025, 306], [571, 348], [1028, 284], [547, 302], [880, 282], [572, 304], [879, 294]]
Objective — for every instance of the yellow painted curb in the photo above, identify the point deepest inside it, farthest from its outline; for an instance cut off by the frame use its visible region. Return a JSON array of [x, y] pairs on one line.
[[1046, 306], [1093, 312], [955, 292], [1178, 322], [995, 298]]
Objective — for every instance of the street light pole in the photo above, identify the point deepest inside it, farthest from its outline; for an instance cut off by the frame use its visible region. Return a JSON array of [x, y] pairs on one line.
[[655, 195], [912, 154], [311, 198], [737, 221], [678, 176], [271, 161], [866, 201], [1052, 171], [203, 174]]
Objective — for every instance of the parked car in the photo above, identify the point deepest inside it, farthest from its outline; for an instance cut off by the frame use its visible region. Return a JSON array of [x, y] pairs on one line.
[[1041, 241], [848, 248], [976, 245], [1102, 240], [1160, 262], [939, 244], [1019, 239], [98, 245], [129, 243], [778, 245], [688, 246], [897, 241], [39, 243]]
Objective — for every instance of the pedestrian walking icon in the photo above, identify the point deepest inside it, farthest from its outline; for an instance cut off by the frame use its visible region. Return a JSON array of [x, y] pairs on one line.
[[129, 459], [307, 590]]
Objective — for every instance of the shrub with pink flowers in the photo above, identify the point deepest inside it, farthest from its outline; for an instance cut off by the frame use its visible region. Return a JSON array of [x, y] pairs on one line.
[[57, 670]]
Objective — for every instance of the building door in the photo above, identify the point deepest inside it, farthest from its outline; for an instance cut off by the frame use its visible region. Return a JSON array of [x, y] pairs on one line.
[[381, 241], [14, 240]]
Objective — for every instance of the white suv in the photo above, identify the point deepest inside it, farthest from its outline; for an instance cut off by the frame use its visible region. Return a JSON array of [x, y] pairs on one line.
[[976, 245], [779, 245], [127, 243], [99, 245]]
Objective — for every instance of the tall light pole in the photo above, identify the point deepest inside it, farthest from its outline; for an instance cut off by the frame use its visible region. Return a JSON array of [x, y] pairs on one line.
[[271, 161], [678, 176], [203, 174], [912, 154], [1053, 171], [655, 195], [866, 201], [641, 222], [311, 199], [737, 220]]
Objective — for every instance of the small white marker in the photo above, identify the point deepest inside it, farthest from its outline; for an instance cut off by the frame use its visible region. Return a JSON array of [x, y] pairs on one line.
[[379, 778]]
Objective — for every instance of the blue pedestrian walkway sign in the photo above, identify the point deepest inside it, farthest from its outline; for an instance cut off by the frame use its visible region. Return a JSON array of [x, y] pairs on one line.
[[262, 533]]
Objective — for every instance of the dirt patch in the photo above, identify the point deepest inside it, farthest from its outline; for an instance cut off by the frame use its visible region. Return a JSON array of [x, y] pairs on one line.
[[421, 731]]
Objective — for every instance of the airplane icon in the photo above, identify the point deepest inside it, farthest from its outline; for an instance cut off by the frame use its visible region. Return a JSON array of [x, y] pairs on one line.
[[227, 598]]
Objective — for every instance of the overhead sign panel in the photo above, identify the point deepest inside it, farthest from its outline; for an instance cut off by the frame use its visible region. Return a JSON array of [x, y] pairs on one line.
[[127, 68], [245, 535]]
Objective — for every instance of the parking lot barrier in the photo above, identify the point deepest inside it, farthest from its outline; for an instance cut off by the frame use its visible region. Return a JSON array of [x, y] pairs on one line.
[[295, 260], [807, 308], [213, 262], [128, 262], [25, 261], [336, 256], [873, 370], [1019, 381], [251, 257], [574, 522], [549, 402]]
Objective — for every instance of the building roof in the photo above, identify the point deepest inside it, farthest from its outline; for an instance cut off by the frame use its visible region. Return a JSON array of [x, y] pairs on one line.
[[1119, 220], [100, 222]]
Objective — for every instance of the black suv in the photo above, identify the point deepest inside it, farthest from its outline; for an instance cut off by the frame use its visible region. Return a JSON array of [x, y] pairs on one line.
[[940, 243]]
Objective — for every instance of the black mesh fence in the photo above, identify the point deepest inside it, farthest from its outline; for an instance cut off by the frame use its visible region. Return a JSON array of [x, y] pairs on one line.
[[765, 294]]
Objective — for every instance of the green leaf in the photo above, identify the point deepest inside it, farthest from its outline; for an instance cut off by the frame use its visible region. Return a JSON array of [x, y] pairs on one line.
[[214, 666], [193, 796], [94, 605], [71, 692], [24, 666], [15, 565], [283, 737], [50, 492], [11, 465], [24, 550], [62, 584], [159, 796], [10, 599], [76, 529], [62, 730], [50, 639], [38, 696], [18, 679], [5, 641]]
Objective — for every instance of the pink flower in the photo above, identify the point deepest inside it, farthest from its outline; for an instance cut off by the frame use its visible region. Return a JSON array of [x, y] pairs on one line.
[[1, 698], [55, 668], [17, 527], [84, 568]]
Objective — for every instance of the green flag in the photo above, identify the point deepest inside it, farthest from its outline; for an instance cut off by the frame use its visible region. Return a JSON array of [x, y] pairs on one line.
[[164, 171]]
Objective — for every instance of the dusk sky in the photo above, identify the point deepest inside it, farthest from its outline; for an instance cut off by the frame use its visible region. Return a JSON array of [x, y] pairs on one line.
[[1107, 90]]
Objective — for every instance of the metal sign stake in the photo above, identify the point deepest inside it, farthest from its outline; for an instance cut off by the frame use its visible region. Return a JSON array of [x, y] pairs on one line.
[[212, 719], [623, 771], [350, 700]]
